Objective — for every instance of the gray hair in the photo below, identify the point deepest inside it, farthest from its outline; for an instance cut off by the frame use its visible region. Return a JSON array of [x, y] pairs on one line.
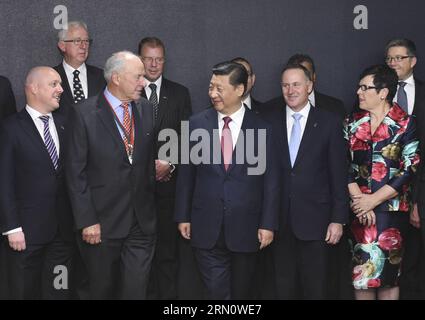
[[116, 63], [63, 33]]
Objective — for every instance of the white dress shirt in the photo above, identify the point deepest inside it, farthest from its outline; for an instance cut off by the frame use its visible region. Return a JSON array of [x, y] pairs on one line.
[[83, 77], [290, 120], [35, 116], [410, 92], [234, 125], [148, 90]]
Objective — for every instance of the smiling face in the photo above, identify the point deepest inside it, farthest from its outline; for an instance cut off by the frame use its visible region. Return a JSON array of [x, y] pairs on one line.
[[225, 97], [75, 55], [295, 88], [43, 89], [404, 68]]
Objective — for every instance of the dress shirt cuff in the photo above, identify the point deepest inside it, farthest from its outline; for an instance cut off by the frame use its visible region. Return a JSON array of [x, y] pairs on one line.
[[12, 231]]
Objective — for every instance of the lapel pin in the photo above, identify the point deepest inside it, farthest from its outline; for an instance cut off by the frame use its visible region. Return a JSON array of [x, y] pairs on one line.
[[315, 125]]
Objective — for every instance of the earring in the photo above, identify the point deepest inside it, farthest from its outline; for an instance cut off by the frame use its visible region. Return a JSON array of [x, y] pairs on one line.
[[382, 98]]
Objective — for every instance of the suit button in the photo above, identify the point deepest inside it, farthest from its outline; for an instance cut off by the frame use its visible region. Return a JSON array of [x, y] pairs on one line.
[[292, 174]]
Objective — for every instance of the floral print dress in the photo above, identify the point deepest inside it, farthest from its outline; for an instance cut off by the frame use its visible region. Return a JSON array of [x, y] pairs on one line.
[[389, 156]]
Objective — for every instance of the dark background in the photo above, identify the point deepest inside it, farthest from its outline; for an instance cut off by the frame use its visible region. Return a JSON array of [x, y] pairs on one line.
[[200, 33]]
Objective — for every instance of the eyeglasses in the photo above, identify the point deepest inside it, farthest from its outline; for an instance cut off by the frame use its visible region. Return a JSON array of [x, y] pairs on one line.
[[78, 42], [364, 87], [396, 58], [158, 60]]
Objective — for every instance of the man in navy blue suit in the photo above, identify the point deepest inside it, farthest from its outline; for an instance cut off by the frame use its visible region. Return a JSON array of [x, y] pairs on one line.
[[312, 158], [35, 213], [228, 210]]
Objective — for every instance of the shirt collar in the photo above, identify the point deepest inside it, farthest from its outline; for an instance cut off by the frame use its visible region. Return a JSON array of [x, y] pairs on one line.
[[158, 82], [69, 69], [248, 102], [237, 117], [304, 111], [410, 80], [34, 114], [113, 101]]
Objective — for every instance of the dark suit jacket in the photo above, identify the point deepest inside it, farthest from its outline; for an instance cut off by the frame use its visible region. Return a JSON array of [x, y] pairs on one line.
[[209, 197], [32, 193], [315, 190], [95, 84], [330, 104], [7, 99], [103, 186], [174, 106], [255, 105]]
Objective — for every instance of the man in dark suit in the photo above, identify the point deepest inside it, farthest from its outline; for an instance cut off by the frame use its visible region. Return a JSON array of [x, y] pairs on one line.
[[400, 55], [7, 98], [110, 178], [312, 157], [35, 214], [171, 101], [80, 80], [228, 211], [248, 100], [7, 107]]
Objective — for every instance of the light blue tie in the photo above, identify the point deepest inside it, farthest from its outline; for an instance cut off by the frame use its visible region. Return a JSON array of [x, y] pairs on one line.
[[402, 96], [295, 140]]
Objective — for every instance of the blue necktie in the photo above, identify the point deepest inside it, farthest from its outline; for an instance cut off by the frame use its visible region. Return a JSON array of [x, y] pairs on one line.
[[48, 141], [295, 140], [402, 96]]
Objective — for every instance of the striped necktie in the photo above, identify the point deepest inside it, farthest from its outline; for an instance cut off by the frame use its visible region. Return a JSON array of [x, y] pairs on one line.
[[48, 141]]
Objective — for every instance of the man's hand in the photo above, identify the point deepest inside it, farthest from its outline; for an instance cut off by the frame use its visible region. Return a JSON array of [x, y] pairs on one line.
[[265, 237], [163, 170], [334, 233], [184, 229], [415, 220], [17, 241], [91, 234]]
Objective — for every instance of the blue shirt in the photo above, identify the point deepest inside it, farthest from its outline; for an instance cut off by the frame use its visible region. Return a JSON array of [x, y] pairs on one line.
[[119, 111]]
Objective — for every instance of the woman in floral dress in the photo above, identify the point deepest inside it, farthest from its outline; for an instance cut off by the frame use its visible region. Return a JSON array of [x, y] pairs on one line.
[[383, 159]]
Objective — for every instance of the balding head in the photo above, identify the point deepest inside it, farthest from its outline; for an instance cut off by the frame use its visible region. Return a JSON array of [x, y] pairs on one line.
[[43, 89]]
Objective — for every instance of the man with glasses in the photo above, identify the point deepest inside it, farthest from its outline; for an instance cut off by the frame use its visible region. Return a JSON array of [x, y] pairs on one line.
[[171, 105], [401, 56], [80, 80]]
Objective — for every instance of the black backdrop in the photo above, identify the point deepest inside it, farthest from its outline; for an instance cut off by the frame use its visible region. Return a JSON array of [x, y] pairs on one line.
[[200, 33]]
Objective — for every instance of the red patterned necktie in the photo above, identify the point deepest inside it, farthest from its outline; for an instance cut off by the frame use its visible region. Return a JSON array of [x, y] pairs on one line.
[[126, 120], [226, 143]]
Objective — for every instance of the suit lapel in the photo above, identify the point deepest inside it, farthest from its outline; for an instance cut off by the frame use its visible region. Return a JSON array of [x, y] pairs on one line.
[[31, 130], [163, 102], [104, 112], [309, 134], [216, 159]]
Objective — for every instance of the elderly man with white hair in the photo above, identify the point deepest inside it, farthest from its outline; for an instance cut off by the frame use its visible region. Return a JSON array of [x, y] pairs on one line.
[[111, 176]]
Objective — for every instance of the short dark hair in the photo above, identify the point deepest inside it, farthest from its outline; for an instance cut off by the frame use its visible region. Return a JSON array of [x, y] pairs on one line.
[[297, 66], [299, 58], [243, 60], [402, 42], [237, 72], [383, 77], [152, 42]]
